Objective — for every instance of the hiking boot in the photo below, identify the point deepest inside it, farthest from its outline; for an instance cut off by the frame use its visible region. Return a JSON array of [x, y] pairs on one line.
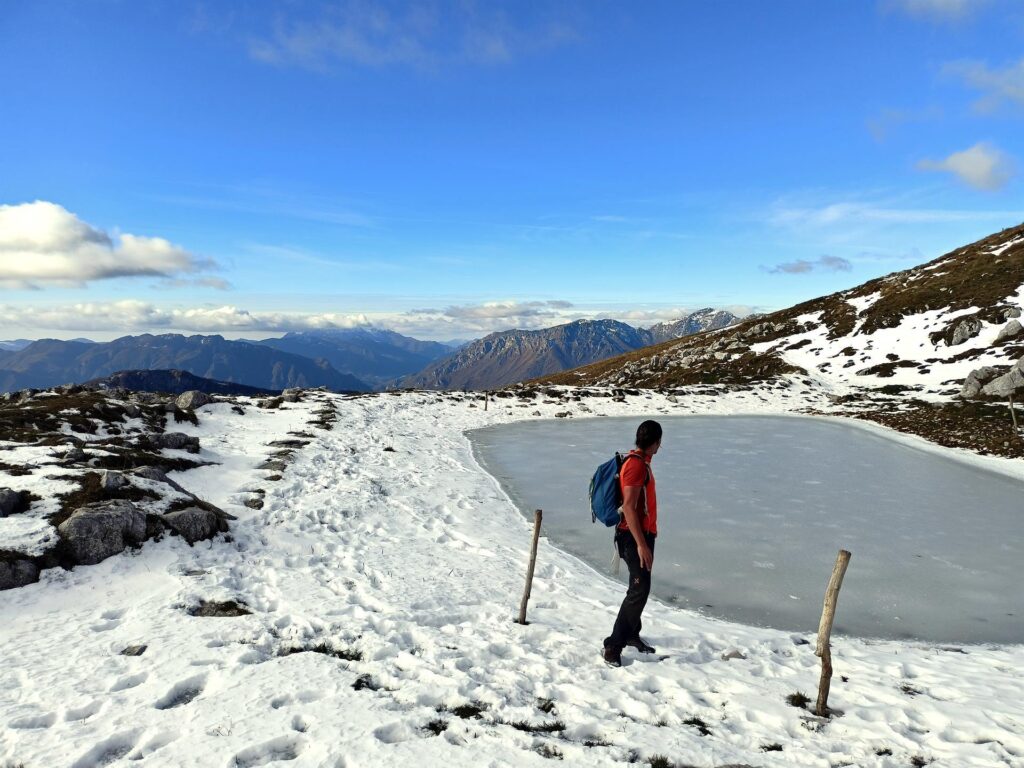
[[640, 645], [612, 657]]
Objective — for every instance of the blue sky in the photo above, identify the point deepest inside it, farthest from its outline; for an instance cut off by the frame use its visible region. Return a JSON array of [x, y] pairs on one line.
[[452, 168]]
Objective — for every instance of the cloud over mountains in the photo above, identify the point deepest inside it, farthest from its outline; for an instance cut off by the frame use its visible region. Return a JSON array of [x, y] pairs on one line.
[[42, 243]]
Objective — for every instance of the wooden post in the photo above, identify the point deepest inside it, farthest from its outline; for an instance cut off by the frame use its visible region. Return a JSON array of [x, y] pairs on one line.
[[533, 562], [486, 398], [828, 615], [1013, 415]]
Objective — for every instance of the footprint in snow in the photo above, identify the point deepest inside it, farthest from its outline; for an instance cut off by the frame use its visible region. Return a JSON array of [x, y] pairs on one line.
[[129, 681], [281, 748], [32, 722], [182, 693], [108, 751], [74, 714]]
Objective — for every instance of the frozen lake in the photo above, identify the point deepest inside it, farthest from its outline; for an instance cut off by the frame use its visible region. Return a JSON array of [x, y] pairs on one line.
[[753, 509]]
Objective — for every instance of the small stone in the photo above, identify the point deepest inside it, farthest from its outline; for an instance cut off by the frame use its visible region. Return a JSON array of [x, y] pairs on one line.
[[134, 650], [193, 523], [733, 653]]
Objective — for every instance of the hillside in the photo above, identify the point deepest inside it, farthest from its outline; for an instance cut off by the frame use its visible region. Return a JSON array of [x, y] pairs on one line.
[[897, 349], [49, 362], [172, 382], [508, 357]]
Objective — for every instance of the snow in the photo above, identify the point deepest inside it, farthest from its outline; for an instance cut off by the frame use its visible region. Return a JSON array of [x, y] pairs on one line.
[[414, 560]]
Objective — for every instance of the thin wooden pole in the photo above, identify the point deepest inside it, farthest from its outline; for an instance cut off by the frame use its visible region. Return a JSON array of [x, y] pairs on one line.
[[486, 398], [828, 615], [533, 562], [1013, 415]]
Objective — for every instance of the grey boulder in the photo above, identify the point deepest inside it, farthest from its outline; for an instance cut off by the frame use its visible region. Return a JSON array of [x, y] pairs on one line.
[[176, 441], [192, 399], [17, 573], [1008, 384], [11, 502], [159, 476], [1010, 331], [964, 330], [193, 524], [977, 379], [102, 529]]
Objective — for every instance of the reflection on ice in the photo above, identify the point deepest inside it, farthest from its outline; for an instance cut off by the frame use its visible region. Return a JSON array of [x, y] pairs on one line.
[[753, 510]]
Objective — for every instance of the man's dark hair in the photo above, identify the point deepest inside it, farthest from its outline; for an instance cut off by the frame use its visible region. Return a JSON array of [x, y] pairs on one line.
[[647, 434]]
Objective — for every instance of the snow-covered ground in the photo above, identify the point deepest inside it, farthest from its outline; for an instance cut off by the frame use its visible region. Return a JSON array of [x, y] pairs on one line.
[[385, 541]]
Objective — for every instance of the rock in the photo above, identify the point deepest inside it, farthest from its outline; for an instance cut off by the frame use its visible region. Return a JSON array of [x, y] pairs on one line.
[[17, 573], [134, 650], [193, 524], [177, 441], [1008, 384], [254, 503], [273, 465], [1011, 313], [102, 529], [192, 399], [733, 653], [1010, 331], [964, 330], [159, 476], [111, 480], [11, 502], [219, 608], [291, 395], [75, 454]]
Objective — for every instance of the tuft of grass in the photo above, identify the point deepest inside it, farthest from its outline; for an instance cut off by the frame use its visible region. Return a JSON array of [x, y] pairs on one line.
[[703, 728], [437, 726], [366, 683], [547, 706], [660, 761], [553, 726], [214, 608], [466, 711], [346, 654], [919, 762], [597, 742], [550, 751], [798, 700], [883, 752], [771, 747]]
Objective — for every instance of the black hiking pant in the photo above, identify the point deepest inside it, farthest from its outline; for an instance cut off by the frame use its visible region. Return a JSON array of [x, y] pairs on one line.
[[628, 623]]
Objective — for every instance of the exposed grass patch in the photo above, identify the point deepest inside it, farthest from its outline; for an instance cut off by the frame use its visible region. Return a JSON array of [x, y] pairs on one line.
[[366, 683], [90, 490], [702, 728], [15, 470], [771, 747], [223, 608], [919, 762], [346, 654], [437, 726], [798, 700], [466, 711], [553, 726], [550, 751], [547, 706]]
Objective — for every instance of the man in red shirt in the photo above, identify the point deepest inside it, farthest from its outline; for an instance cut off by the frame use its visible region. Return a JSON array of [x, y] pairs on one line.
[[634, 539]]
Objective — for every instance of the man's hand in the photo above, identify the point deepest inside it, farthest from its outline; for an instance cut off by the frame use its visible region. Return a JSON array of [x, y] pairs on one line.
[[646, 556]]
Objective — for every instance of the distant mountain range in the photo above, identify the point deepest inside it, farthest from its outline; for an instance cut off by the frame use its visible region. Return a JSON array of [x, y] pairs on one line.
[[508, 357], [373, 355], [357, 359], [49, 362]]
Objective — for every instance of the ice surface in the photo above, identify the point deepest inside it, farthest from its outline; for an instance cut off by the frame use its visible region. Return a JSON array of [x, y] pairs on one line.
[[753, 510]]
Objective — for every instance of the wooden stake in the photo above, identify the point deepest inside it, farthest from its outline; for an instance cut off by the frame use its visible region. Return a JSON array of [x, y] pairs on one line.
[[533, 562], [1013, 415], [828, 615], [486, 398]]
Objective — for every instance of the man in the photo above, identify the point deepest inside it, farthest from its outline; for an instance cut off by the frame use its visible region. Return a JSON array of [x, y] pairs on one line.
[[634, 540]]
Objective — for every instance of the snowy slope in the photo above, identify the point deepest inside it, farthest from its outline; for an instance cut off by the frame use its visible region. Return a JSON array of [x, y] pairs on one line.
[[385, 543]]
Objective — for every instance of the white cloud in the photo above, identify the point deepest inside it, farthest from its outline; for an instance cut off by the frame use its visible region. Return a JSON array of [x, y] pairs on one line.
[[803, 266], [982, 166], [421, 36], [41, 243], [857, 213], [936, 10], [997, 86]]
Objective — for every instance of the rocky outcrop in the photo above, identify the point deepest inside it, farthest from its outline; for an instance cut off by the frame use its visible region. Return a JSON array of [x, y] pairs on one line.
[[177, 441], [989, 381], [964, 330], [1012, 331], [12, 502], [192, 399], [100, 530], [195, 524], [17, 573]]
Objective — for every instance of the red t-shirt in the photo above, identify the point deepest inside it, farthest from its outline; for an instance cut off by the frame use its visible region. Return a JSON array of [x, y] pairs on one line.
[[633, 475]]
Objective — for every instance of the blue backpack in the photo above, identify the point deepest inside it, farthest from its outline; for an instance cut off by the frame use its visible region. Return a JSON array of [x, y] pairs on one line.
[[606, 491]]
